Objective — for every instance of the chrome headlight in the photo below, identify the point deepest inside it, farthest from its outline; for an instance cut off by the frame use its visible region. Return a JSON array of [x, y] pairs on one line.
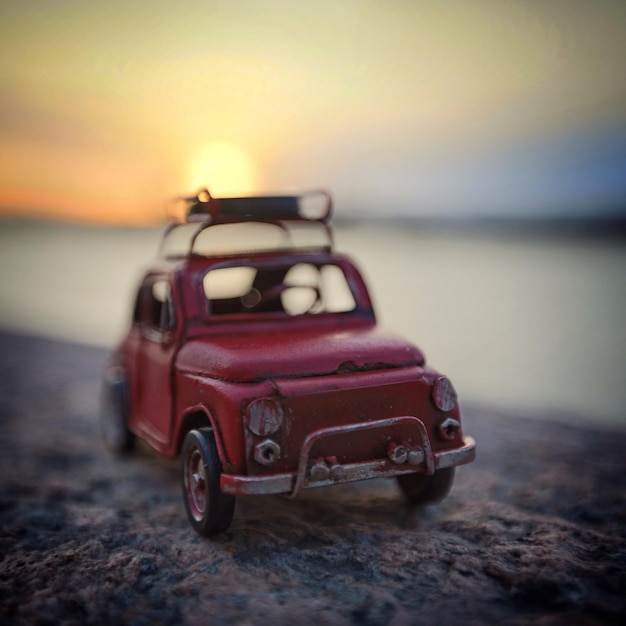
[[444, 395], [264, 416]]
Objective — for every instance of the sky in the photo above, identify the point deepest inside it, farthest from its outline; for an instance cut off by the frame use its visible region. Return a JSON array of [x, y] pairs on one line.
[[425, 108]]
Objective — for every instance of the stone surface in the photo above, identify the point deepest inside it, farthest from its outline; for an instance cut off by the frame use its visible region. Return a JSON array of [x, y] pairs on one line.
[[531, 533]]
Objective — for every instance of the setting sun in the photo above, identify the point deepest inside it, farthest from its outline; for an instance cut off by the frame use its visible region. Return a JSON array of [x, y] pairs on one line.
[[224, 168]]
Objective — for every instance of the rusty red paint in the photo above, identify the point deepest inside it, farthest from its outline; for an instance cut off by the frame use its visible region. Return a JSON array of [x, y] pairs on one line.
[[273, 384]]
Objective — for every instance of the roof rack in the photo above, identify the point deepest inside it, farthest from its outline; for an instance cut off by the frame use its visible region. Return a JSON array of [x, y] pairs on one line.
[[315, 206], [205, 211]]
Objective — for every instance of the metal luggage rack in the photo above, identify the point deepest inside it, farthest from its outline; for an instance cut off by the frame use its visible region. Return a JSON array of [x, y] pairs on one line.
[[203, 211]]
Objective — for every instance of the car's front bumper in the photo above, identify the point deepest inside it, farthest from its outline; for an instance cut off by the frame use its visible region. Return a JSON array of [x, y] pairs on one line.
[[292, 483]]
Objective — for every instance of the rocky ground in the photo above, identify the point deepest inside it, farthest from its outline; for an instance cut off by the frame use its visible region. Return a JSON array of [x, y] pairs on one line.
[[531, 533]]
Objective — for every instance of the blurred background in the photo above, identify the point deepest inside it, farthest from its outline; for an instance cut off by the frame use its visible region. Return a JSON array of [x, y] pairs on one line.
[[476, 153]]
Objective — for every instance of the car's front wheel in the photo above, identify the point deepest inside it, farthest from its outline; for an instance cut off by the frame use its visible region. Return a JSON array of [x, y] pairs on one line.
[[209, 510], [420, 489]]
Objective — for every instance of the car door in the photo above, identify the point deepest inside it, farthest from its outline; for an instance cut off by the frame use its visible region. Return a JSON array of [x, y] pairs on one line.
[[153, 364]]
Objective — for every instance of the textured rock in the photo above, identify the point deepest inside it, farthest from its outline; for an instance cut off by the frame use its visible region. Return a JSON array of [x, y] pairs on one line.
[[531, 533]]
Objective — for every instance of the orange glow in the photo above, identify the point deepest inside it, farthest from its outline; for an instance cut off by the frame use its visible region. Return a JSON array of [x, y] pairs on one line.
[[224, 168], [63, 182]]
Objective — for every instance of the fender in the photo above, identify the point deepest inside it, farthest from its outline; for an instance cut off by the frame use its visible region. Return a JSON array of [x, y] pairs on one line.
[[193, 417]]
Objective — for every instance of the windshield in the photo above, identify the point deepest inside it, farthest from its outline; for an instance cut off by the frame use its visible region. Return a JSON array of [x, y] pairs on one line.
[[297, 289]]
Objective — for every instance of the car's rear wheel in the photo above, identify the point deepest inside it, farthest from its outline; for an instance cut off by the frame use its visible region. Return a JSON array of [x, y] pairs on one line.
[[420, 489], [209, 510], [113, 412]]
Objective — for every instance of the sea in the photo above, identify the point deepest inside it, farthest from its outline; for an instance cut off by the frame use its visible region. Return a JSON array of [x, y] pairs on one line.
[[520, 319]]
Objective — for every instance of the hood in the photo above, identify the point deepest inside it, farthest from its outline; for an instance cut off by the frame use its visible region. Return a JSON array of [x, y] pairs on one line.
[[246, 357]]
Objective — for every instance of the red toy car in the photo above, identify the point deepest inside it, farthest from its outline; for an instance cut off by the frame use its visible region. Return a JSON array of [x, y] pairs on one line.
[[254, 353]]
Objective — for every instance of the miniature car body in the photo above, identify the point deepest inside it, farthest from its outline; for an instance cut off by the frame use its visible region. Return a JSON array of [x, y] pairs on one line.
[[254, 354]]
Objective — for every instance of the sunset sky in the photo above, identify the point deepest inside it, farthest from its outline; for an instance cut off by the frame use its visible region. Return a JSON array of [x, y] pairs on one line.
[[415, 108]]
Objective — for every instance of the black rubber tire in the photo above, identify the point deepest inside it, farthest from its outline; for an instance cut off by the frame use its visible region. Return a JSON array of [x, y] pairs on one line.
[[420, 489], [114, 411], [208, 509]]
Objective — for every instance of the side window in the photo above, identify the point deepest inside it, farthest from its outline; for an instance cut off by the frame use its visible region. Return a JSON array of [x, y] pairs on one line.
[[138, 304], [154, 308], [161, 306]]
